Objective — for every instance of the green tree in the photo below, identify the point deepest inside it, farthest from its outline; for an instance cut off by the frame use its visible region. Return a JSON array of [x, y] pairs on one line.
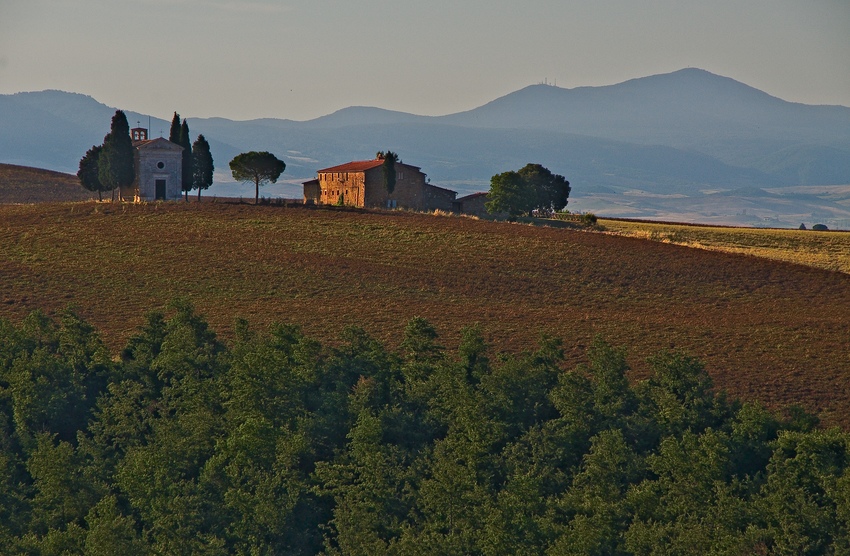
[[116, 165], [258, 167], [389, 158], [202, 166], [532, 187], [62, 494], [188, 161], [803, 502], [52, 376], [596, 500], [88, 172], [508, 194], [111, 532], [552, 190]]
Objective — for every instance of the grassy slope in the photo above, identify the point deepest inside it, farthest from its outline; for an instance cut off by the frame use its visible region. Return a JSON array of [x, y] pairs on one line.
[[827, 250], [765, 329], [20, 184]]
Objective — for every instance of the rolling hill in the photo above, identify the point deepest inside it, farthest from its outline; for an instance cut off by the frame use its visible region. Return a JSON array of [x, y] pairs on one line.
[[765, 329], [21, 184]]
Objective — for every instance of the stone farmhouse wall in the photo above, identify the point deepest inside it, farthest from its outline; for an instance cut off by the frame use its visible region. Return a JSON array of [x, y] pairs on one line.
[[439, 198], [364, 187], [312, 192], [348, 186], [472, 204], [409, 191]]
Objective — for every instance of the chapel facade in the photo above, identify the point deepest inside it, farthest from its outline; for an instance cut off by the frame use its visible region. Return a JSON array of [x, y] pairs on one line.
[[159, 168]]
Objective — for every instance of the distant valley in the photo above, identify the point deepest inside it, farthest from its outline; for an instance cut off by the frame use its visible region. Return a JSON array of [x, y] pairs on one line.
[[689, 145]]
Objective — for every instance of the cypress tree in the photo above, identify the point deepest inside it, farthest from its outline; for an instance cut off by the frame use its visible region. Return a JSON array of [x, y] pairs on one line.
[[390, 158], [116, 166], [188, 172], [203, 167], [174, 133]]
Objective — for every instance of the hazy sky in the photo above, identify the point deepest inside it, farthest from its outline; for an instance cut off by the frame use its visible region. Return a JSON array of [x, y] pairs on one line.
[[300, 59]]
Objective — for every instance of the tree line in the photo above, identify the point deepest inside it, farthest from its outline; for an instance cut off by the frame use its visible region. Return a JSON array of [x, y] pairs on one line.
[[276, 444], [111, 165]]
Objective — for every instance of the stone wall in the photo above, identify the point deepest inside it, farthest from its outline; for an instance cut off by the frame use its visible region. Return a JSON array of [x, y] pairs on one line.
[[159, 160], [367, 189], [473, 204], [439, 198], [312, 192], [347, 186], [409, 191]]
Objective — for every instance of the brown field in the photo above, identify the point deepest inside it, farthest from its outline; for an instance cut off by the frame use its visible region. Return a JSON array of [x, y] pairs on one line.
[[21, 184], [765, 329]]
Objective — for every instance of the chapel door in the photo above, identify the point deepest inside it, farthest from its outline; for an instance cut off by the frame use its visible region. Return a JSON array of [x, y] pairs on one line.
[[160, 190]]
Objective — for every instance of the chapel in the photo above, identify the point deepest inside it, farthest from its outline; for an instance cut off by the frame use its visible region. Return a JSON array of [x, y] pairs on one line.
[[159, 167]]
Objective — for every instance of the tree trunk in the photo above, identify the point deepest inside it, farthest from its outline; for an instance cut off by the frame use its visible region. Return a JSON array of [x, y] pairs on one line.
[[199, 194], [257, 192]]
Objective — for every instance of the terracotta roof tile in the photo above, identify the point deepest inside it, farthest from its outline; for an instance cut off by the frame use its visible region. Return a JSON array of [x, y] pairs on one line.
[[355, 166]]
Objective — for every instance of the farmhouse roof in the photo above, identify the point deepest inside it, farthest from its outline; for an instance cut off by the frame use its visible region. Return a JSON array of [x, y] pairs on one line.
[[359, 166], [355, 166], [443, 188], [473, 196]]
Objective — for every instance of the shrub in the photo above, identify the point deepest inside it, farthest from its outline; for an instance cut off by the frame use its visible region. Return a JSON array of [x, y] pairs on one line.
[[588, 219]]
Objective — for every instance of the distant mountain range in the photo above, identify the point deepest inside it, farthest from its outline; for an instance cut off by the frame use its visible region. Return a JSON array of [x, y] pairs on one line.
[[674, 134]]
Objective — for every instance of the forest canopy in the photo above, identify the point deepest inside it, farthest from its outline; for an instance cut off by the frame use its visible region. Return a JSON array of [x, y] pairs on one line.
[[277, 444]]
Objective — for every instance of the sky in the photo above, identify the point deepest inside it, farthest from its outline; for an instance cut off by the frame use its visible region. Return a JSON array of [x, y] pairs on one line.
[[301, 59]]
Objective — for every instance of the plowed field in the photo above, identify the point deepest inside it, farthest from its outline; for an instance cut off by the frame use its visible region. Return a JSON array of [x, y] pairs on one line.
[[22, 184], [765, 329]]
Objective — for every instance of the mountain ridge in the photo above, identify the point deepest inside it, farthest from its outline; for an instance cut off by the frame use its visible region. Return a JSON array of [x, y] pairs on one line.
[[681, 132]]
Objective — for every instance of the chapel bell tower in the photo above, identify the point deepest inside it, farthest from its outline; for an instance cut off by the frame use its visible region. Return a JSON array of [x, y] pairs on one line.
[[139, 134]]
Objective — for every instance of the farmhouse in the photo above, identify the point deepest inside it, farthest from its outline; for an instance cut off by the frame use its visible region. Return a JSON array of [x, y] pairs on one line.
[[472, 204], [361, 184], [159, 167]]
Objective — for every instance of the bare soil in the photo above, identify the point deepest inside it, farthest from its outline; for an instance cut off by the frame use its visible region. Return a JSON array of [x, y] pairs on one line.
[[766, 330]]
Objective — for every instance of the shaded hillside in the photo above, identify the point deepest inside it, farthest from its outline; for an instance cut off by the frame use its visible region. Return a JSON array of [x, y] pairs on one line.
[[20, 184], [685, 130], [766, 330]]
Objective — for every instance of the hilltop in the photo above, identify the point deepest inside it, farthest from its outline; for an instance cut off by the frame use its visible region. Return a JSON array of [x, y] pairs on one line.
[[766, 330], [21, 184]]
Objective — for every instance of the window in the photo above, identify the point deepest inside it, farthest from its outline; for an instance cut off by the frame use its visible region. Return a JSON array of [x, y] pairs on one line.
[[160, 165], [399, 176]]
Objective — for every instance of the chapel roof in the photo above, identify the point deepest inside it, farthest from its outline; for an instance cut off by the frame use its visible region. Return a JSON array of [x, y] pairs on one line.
[[158, 142]]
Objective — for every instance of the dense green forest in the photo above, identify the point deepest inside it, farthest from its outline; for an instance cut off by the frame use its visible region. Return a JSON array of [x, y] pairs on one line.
[[277, 444]]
